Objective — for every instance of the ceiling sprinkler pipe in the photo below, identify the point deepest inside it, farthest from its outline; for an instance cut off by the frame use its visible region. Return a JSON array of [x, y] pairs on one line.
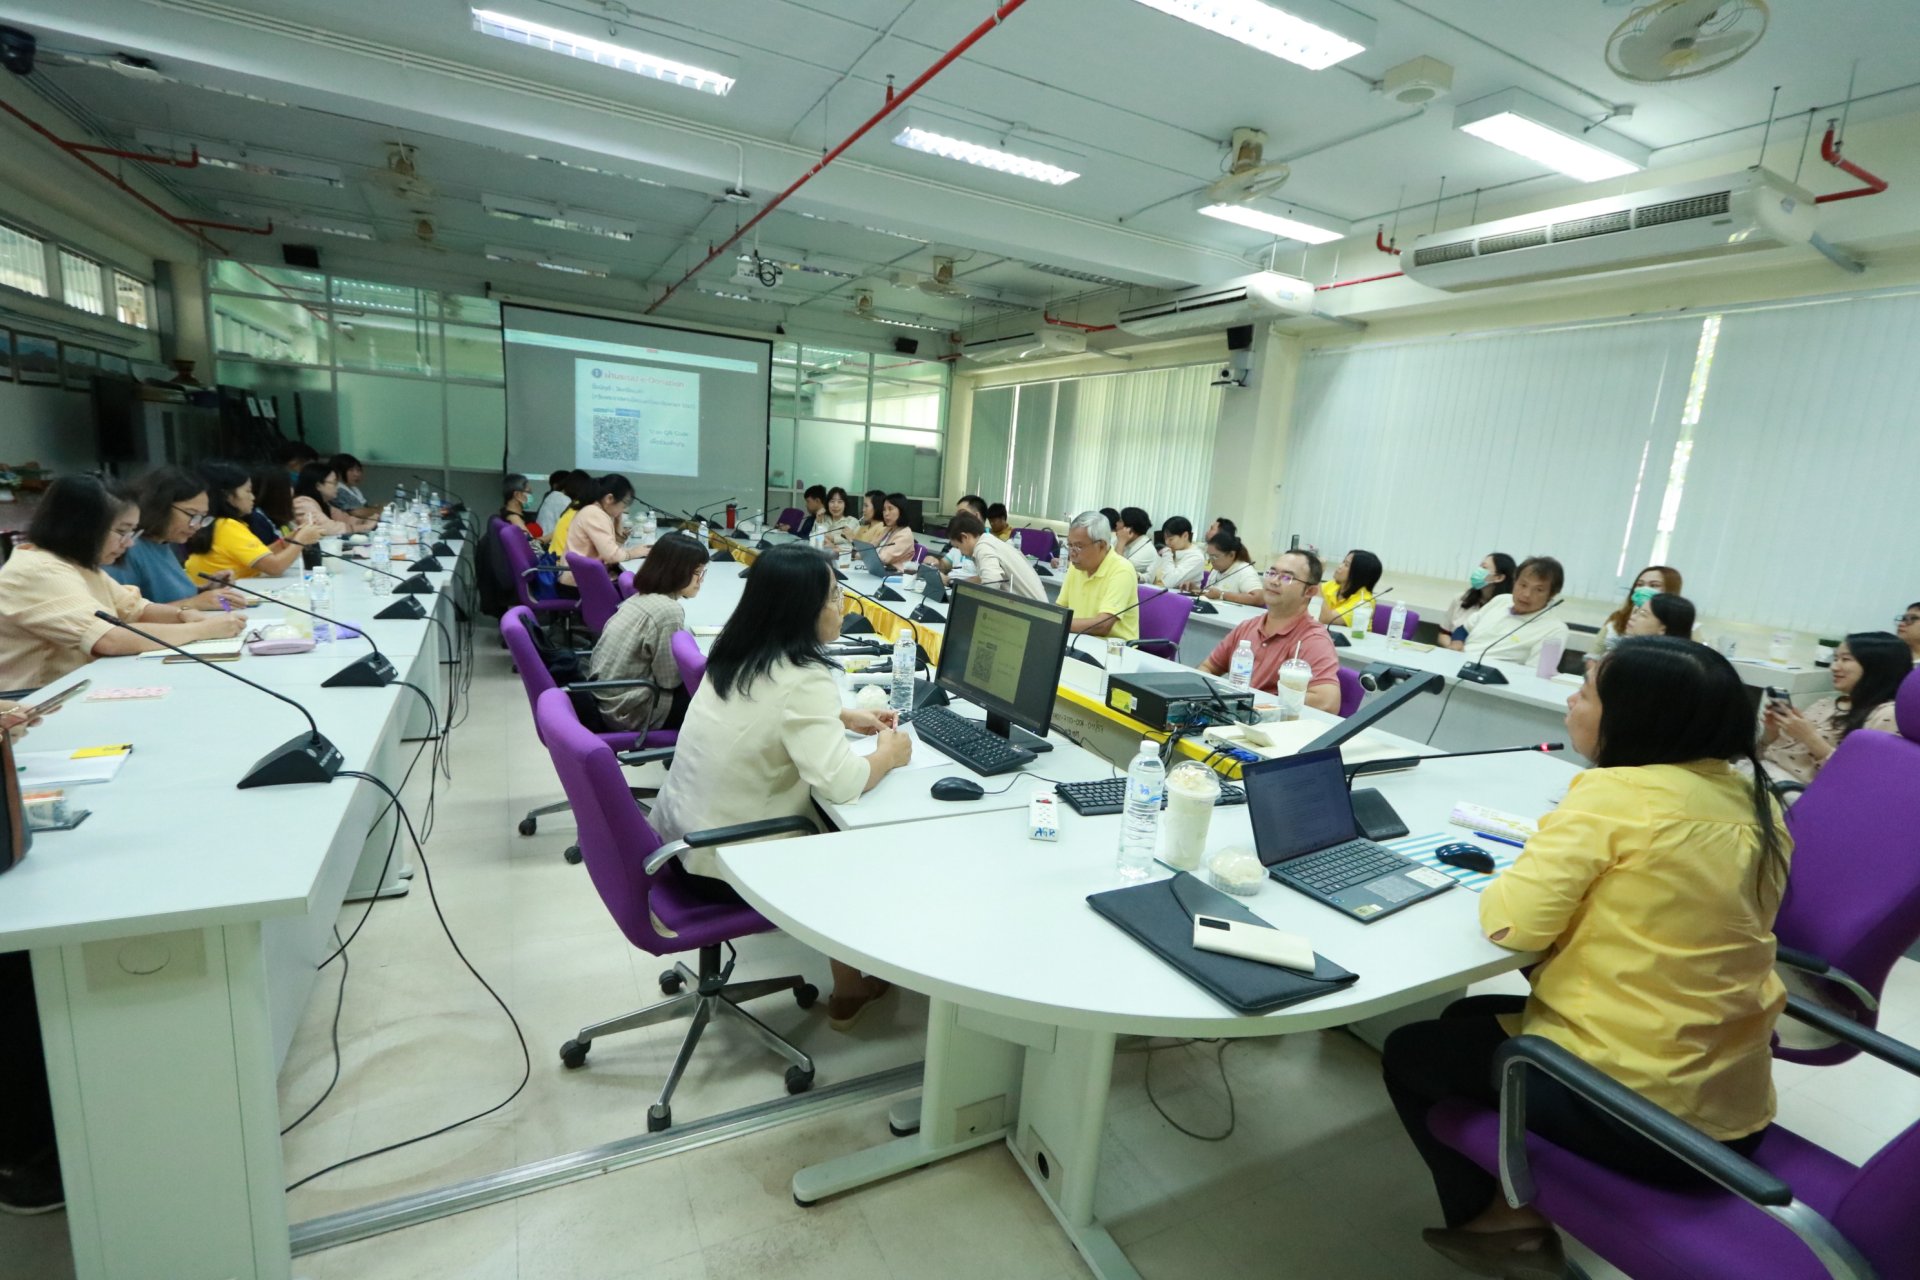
[[1830, 152]]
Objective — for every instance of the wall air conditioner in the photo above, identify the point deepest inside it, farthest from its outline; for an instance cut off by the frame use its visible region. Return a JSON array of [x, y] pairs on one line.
[[1708, 218], [1025, 346], [1265, 295]]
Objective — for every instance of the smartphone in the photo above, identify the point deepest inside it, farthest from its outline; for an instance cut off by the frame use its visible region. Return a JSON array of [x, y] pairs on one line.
[[1779, 696], [49, 705]]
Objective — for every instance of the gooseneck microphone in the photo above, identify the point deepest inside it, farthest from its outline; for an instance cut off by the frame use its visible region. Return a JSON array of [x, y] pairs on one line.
[[306, 757], [1478, 672], [370, 672], [1397, 763], [416, 585], [1088, 658]]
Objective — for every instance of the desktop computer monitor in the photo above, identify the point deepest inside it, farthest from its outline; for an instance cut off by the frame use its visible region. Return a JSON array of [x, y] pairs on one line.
[[1003, 652]]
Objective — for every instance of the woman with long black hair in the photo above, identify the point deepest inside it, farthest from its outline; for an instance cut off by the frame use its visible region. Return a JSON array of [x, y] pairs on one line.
[[766, 732], [1651, 891], [1492, 577], [1868, 667]]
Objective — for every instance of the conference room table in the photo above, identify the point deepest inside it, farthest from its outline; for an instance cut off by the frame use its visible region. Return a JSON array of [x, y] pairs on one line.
[[175, 933]]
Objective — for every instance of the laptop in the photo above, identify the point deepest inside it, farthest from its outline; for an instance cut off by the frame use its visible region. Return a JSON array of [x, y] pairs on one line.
[[870, 556], [936, 590], [1306, 836]]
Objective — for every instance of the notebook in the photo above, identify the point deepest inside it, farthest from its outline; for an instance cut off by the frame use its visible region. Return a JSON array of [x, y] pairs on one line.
[[44, 770], [228, 647]]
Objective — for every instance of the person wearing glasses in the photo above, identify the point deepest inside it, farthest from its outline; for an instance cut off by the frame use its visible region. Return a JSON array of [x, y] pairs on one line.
[[1907, 627], [766, 734], [173, 507], [53, 586], [315, 496], [637, 642], [1100, 587], [1286, 630], [228, 545], [515, 493], [1230, 575]]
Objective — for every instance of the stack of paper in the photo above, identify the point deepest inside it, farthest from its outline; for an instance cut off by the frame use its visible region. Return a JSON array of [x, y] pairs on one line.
[[43, 770]]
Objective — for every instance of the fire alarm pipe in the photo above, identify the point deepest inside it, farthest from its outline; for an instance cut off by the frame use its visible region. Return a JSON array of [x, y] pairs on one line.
[[1341, 284], [1050, 318], [1380, 242], [1830, 152], [893, 103], [191, 162], [227, 226]]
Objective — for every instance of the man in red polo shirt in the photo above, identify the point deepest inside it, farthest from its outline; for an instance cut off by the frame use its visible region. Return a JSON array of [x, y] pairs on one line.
[[1286, 625]]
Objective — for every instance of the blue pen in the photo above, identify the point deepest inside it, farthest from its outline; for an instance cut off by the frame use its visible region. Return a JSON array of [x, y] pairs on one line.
[[1517, 844]]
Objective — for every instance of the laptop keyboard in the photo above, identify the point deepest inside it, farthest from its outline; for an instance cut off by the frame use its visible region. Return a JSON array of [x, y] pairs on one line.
[[1343, 866]]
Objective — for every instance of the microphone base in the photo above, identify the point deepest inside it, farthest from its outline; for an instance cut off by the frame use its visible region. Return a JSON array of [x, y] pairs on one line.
[[720, 557], [414, 586], [888, 593], [370, 672], [306, 757], [924, 614], [440, 549], [1481, 673], [406, 608], [425, 564], [1339, 641], [1041, 571], [1375, 817]]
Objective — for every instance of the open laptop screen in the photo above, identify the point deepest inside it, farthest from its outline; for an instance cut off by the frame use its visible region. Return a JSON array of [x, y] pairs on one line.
[[1298, 804]]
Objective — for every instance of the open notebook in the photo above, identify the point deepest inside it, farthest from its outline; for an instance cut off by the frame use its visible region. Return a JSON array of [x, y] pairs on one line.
[[1288, 737], [229, 647]]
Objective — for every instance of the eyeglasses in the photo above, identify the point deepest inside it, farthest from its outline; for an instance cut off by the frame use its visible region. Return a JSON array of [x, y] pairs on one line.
[[1284, 578], [128, 535], [1904, 620], [195, 519]]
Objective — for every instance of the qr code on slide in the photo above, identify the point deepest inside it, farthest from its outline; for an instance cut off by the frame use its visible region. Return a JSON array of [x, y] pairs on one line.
[[616, 438], [985, 652]]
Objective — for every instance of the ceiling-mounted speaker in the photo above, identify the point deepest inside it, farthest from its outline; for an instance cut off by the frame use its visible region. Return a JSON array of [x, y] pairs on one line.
[[16, 50], [907, 346], [301, 255]]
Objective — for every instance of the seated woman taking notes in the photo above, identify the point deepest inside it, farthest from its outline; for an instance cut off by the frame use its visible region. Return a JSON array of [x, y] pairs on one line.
[[1676, 1004], [173, 507], [766, 733], [637, 642], [52, 589], [1231, 576], [228, 545], [314, 502]]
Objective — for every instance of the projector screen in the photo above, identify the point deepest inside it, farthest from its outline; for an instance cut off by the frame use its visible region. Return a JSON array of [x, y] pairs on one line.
[[681, 414]]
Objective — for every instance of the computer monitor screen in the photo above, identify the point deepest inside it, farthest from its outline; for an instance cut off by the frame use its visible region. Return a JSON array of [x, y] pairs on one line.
[[1003, 652], [1298, 804]]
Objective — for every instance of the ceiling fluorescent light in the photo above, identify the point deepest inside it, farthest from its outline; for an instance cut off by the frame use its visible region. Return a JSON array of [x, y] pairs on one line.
[[527, 257], [552, 215], [1313, 33], [1550, 135], [242, 159], [1273, 224], [938, 138], [654, 63], [342, 227]]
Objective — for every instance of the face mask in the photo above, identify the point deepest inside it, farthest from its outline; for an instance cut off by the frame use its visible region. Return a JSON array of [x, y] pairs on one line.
[[1642, 594], [1477, 578]]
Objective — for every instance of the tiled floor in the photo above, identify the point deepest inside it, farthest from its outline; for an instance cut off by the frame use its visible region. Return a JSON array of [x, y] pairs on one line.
[[424, 1045]]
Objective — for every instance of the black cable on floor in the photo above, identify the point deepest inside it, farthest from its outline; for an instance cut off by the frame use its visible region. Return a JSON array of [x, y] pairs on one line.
[[339, 1003], [1443, 712], [1220, 1061], [526, 1057]]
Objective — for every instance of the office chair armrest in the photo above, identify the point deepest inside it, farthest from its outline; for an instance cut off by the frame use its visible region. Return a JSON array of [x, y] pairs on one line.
[[1841, 1027], [726, 835], [1809, 963], [1755, 1185], [1784, 787], [593, 686], [645, 755]]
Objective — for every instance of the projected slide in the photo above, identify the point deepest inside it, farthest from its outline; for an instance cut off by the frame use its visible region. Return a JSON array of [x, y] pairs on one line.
[[634, 418]]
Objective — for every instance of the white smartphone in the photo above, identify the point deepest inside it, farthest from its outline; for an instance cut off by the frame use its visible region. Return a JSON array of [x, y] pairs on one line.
[[1253, 942]]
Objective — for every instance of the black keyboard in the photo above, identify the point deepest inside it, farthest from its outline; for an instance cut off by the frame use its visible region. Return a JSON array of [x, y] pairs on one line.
[[1343, 866], [969, 742], [1109, 795]]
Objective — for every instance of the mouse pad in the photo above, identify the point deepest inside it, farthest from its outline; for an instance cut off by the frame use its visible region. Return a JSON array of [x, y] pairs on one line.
[[1420, 849]]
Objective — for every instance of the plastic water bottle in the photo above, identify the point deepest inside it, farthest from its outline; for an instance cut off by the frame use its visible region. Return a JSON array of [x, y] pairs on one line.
[[1396, 626], [901, 695], [399, 495], [1240, 672], [320, 594], [1140, 827], [703, 535], [379, 553]]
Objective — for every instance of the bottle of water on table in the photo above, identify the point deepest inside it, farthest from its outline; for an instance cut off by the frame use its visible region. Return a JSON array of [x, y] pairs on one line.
[[901, 694], [1140, 824], [1240, 671], [320, 598]]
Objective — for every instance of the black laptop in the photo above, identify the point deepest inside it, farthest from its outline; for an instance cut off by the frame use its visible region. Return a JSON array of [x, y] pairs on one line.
[[870, 556], [1306, 836]]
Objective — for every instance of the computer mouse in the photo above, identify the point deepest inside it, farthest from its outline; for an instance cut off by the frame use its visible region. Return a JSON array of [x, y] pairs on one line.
[[1467, 857], [957, 789], [1201, 606]]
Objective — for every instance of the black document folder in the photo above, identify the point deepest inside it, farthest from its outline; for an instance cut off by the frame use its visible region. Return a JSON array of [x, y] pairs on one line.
[[1160, 914]]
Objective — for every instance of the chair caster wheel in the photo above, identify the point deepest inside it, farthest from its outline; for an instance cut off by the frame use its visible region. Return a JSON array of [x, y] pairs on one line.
[[901, 1133], [658, 1118], [799, 1080], [805, 994], [804, 1204], [671, 982], [529, 825], [573, 1054], [572, 855]]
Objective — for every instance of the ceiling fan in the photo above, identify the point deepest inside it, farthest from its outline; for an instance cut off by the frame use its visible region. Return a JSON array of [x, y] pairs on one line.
[[1681, 39], [1248, 176], [401, 175]]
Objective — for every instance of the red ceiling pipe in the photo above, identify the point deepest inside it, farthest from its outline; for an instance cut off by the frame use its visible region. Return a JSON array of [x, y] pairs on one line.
[[227, 226], [1830, 152], [1075, 324], [1380, 242], [191, 162], [893, 103], [1341, 284]]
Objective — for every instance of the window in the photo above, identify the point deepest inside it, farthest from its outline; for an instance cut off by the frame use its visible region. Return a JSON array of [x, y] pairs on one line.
[[83, 283], [23, 262], [838, 419], [130, 301]]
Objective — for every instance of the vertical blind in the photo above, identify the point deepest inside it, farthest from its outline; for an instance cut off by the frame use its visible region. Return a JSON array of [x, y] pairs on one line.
[[1798, 508], [1433, 453]]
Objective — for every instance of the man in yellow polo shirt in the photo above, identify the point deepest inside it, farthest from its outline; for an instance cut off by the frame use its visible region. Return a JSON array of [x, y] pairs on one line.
[[1101, 587]]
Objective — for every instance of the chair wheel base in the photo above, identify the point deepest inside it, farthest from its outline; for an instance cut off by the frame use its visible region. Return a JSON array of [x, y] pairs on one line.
[[573, 1054], [658, 1118], [672, 982], [572, 855], [799, 1080], [898, 1132], [529, 825], [805, 995]]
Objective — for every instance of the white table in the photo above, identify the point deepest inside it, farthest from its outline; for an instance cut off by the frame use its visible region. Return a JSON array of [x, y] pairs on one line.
[[1021, 1031], [172, 961]]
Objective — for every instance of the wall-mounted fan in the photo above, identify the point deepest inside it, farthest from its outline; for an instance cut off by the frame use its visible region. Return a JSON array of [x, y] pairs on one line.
[[1681, 39]]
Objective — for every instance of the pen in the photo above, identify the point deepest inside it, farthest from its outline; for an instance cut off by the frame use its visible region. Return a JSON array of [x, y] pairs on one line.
[[224, 606], [1517, 844]]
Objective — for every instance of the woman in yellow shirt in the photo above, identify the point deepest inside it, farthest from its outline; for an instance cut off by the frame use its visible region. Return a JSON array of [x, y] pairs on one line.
[[1350, 587], [1651, 893], [228, 545]]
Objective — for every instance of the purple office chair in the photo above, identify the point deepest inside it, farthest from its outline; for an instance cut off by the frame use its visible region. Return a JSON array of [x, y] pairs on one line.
[[1381, 617], [640, 880], [1037, 544], [1794, 1211], [919, 551], [791, 517], [523, 568], [599, 598], [1853, 896], [518, 629], [624, 583], [1352, 692], [692, 662], [1163, 620]]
